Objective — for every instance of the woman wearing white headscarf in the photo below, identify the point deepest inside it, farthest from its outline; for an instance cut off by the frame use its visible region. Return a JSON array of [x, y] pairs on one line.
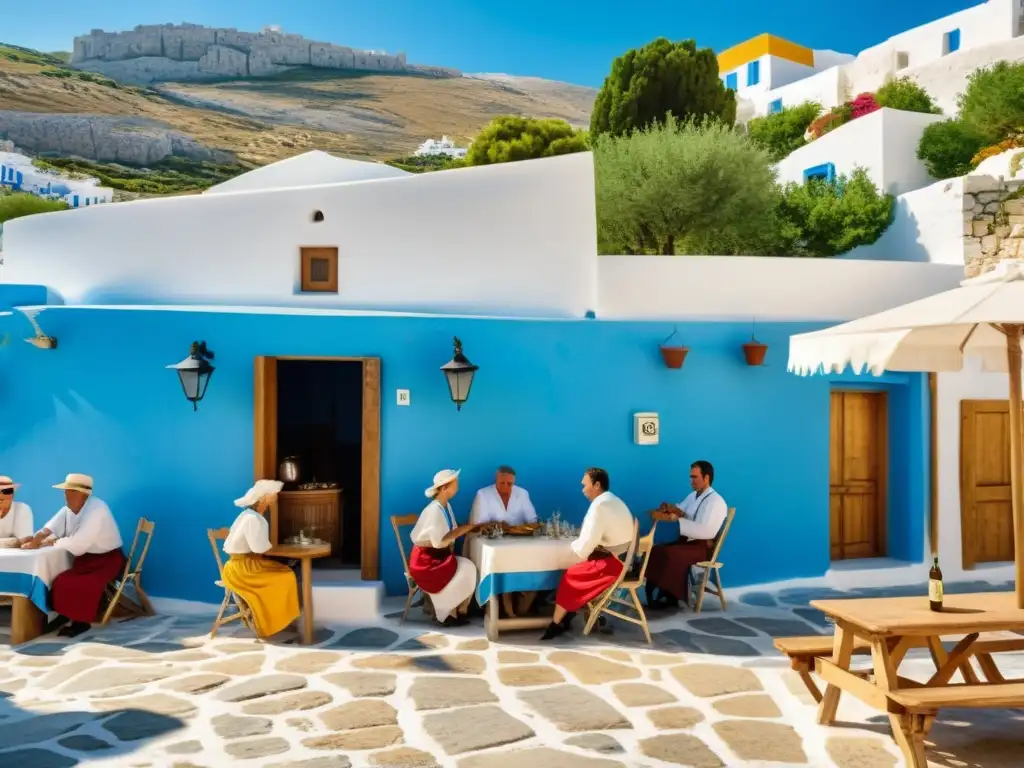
[[449, 580], [268, 587]]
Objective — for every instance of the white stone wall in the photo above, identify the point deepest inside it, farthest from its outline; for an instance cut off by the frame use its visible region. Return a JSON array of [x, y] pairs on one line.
[[884, 143]]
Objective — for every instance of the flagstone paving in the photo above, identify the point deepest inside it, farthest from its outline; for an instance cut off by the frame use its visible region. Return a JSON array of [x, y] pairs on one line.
[[712, 692]]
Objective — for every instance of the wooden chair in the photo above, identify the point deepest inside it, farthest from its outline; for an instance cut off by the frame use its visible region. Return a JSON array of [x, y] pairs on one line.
[[241, 613], [132, 576], [712, 568], [398, 522], [631, 581]]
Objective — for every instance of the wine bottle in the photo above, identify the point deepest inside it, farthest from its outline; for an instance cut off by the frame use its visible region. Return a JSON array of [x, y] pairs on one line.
[[935, 586]]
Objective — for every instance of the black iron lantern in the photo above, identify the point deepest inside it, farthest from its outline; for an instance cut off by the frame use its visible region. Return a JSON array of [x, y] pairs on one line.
[[459, 372], [195, 372]]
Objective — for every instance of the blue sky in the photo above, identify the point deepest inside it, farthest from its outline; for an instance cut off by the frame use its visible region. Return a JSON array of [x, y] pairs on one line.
[[575, 42]]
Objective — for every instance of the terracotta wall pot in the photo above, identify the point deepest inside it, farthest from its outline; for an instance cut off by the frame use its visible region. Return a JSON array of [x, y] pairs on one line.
[[674, 356], [754, 352]]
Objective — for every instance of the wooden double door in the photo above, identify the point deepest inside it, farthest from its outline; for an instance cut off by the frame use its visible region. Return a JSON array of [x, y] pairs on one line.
[[986, 512], [858, 464]]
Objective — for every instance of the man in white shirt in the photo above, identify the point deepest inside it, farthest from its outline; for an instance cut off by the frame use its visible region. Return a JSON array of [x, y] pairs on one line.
[[507, 504], [84, 527], [15, 516], [608, 529], [700, 517]]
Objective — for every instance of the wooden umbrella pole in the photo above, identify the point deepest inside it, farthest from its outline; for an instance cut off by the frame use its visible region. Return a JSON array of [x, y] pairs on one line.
[[1013, 356]]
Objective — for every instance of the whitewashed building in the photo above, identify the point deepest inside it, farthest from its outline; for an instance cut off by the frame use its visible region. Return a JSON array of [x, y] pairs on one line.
[[433, 147], [769, 73], [19, 174]]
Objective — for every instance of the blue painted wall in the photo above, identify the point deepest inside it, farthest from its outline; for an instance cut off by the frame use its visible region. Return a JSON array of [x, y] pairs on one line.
[[551, 398]]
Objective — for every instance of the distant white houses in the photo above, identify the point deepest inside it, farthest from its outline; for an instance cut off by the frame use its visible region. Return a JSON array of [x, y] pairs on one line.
[[769, 73], [445, 146], [18, 173]]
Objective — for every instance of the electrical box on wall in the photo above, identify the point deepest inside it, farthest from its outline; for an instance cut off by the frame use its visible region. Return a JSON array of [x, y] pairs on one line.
[[646, 428]]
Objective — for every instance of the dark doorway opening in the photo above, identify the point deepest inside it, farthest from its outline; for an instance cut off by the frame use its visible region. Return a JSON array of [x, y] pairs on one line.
[[320, 434]]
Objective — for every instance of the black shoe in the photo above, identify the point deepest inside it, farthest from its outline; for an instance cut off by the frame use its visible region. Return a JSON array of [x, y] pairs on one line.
[[604, 626], [553, 631], [74, 629], [455, 621], [56, 624], [567, 620]]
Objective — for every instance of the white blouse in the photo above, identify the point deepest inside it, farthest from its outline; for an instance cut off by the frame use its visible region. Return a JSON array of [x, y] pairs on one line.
[[608, 524], [703, 515], [434, 524], [92, 530], [489, 508], [17, 523], [249, 534]]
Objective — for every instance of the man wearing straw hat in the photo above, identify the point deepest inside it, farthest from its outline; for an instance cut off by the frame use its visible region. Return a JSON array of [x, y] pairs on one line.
[[15, 516], [84, 527]]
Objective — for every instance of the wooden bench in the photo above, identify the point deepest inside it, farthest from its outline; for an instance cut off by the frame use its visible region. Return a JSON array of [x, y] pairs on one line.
[[803, 650], [913, 710]]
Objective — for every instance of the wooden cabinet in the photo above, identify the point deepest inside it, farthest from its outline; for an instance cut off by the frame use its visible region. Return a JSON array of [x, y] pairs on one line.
[[317, 512]]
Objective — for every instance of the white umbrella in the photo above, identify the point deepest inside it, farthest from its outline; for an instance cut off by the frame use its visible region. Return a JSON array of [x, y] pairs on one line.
[[983, 318]]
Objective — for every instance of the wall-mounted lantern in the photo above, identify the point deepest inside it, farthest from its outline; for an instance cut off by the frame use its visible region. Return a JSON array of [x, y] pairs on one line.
[[459, 373], [195, 372]]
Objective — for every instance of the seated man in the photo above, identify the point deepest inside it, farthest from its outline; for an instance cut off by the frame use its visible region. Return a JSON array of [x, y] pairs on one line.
[[700, 517], [85, 528], [505, 504], [15, 516], [607, 530]]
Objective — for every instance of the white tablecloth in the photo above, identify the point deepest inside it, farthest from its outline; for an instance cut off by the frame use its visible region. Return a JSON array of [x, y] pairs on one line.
[[30, 572], [518, 563]]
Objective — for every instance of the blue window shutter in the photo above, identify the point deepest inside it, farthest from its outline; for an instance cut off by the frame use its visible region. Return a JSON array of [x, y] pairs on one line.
[[775, 106], [730, 81], [825, 172], [953, 41], [753, 73]]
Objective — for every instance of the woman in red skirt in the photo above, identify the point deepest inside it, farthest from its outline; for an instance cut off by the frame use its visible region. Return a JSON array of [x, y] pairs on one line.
[[449, 580], [607, 531]]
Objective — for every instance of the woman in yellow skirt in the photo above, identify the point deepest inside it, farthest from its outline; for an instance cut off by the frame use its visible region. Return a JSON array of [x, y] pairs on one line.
[[268, 587]]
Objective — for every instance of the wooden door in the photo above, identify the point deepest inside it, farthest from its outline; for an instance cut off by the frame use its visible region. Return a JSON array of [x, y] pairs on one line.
[[986, 515], [858, 460]]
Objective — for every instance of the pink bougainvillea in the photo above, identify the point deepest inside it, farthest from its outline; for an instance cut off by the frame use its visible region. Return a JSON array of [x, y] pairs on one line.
[[864, 104]]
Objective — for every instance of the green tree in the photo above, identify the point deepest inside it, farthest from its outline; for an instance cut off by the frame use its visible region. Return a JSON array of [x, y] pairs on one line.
[[691, 187], [510, 138], [993, 101], [821, 218], [661, 78], [947, 148], [903, 93], [783, 132], [19, 204]]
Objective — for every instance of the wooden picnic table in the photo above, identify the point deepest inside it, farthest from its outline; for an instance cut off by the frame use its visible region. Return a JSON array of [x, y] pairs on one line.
[[892, 626], [305, 554]]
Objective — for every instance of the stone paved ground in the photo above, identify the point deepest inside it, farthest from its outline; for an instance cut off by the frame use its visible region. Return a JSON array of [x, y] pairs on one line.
[[711, 692]]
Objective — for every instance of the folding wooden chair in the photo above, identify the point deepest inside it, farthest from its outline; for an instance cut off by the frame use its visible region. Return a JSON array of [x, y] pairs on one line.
[[629, 581], [713, 568], [398, 522], [242, 613], [132, 576]]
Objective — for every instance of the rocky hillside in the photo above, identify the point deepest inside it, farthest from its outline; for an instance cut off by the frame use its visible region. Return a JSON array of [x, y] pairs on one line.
[[54, 109]]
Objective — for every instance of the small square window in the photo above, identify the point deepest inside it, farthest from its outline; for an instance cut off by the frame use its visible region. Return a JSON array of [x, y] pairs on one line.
[[753, 73], [775, 106], [826, 172], [730, 81], [319, 270]]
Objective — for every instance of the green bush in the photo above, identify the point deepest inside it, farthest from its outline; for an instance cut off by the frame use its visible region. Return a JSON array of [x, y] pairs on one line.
[[783, 132], [172, 175], [424, 163], [511, 138], [947, 148], [17, 204], [993, 102], [903, 93], [822, 218], [692, 187]]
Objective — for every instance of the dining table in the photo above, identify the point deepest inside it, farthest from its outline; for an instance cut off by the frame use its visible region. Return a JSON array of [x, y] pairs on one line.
[[981, 625], [26, 576], [305, 554], [516, 564]]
